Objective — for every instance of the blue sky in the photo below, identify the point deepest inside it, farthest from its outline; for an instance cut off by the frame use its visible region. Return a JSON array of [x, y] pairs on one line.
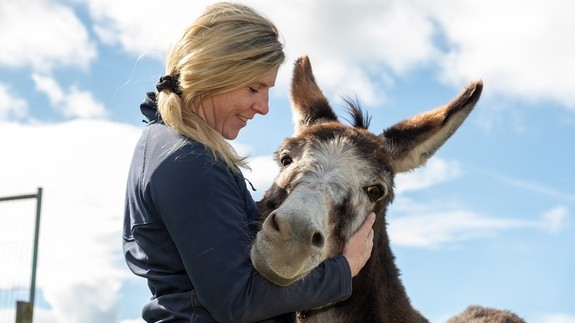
[[490, 220]]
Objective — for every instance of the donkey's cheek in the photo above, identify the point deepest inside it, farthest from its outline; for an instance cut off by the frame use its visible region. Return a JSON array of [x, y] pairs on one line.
[[336, 245]]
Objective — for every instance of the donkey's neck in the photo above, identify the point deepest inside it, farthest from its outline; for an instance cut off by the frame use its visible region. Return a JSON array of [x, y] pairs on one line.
[[378, 293]]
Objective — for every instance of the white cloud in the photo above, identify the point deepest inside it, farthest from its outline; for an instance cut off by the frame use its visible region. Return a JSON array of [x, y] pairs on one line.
[[11, 107], [436, 228], [531, 186], [555, 318], [42, 34], [50, 87], [555, 219], [434, 172], [362, 46], [82, 104], [263, 171], [73, 104], [8, 315], [521, 49], [82, 166], [132, 321], [430, 226], [150, 29]]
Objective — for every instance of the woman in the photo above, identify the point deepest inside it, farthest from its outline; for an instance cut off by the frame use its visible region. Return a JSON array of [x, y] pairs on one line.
[[189, 217]]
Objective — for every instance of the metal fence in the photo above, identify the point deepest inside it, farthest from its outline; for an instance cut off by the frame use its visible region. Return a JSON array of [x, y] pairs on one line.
[[19, 232]]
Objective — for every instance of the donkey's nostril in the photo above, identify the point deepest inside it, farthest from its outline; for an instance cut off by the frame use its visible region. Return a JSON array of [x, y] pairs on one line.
[[271, 222], [274, 223], [317, 240]]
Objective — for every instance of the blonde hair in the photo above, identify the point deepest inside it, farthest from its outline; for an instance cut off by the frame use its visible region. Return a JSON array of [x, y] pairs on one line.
[[228, 47]]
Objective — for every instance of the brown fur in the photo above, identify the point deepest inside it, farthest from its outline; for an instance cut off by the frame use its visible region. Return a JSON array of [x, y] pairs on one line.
[[478, 314]]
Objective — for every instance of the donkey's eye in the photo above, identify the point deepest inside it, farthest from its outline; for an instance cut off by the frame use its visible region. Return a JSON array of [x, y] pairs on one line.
[[285, 160], [375, 192]]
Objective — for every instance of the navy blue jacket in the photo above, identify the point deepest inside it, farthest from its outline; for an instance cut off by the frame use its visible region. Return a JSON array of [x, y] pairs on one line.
[[188, 225]]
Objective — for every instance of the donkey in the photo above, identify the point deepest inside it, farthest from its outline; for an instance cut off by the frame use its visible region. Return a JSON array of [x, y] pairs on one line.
[[331, 176]]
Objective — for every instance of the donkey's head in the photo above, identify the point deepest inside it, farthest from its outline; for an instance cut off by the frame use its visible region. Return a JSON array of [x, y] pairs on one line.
[[332, 175]]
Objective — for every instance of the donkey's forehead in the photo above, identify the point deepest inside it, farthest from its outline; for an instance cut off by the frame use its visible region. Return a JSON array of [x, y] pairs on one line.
[[339, 148], [365, 144]]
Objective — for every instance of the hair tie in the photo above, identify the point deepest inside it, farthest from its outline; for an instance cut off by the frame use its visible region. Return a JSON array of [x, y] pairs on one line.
[[170, 83]]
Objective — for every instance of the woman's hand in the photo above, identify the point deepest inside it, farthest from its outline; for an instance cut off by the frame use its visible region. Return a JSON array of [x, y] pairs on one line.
[[357, 249]]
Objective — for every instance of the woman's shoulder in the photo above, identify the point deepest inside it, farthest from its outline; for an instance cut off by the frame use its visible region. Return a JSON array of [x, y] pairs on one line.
[[162, 147], [164, 142]]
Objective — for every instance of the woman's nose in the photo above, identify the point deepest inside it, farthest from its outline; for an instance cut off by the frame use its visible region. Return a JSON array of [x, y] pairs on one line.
[[262, 106]]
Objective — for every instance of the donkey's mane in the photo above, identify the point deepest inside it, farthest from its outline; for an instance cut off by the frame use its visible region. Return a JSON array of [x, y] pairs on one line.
[[360, 118]]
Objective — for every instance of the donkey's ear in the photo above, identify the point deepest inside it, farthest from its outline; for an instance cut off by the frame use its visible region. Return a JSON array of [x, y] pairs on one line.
[[412, 141], [309, 105]]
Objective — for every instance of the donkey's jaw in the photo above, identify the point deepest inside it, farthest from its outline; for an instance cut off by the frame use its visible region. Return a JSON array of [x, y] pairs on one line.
[[281, 274]]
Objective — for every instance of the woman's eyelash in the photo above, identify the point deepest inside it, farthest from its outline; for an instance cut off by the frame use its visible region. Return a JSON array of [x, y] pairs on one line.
[[253, 90]]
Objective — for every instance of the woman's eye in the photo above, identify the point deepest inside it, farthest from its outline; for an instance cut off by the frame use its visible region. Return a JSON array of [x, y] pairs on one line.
[[253, 90], [375, 192], [285, 160]]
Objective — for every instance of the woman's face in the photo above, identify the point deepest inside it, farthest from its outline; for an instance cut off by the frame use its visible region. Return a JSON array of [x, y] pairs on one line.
[[229, 112]]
